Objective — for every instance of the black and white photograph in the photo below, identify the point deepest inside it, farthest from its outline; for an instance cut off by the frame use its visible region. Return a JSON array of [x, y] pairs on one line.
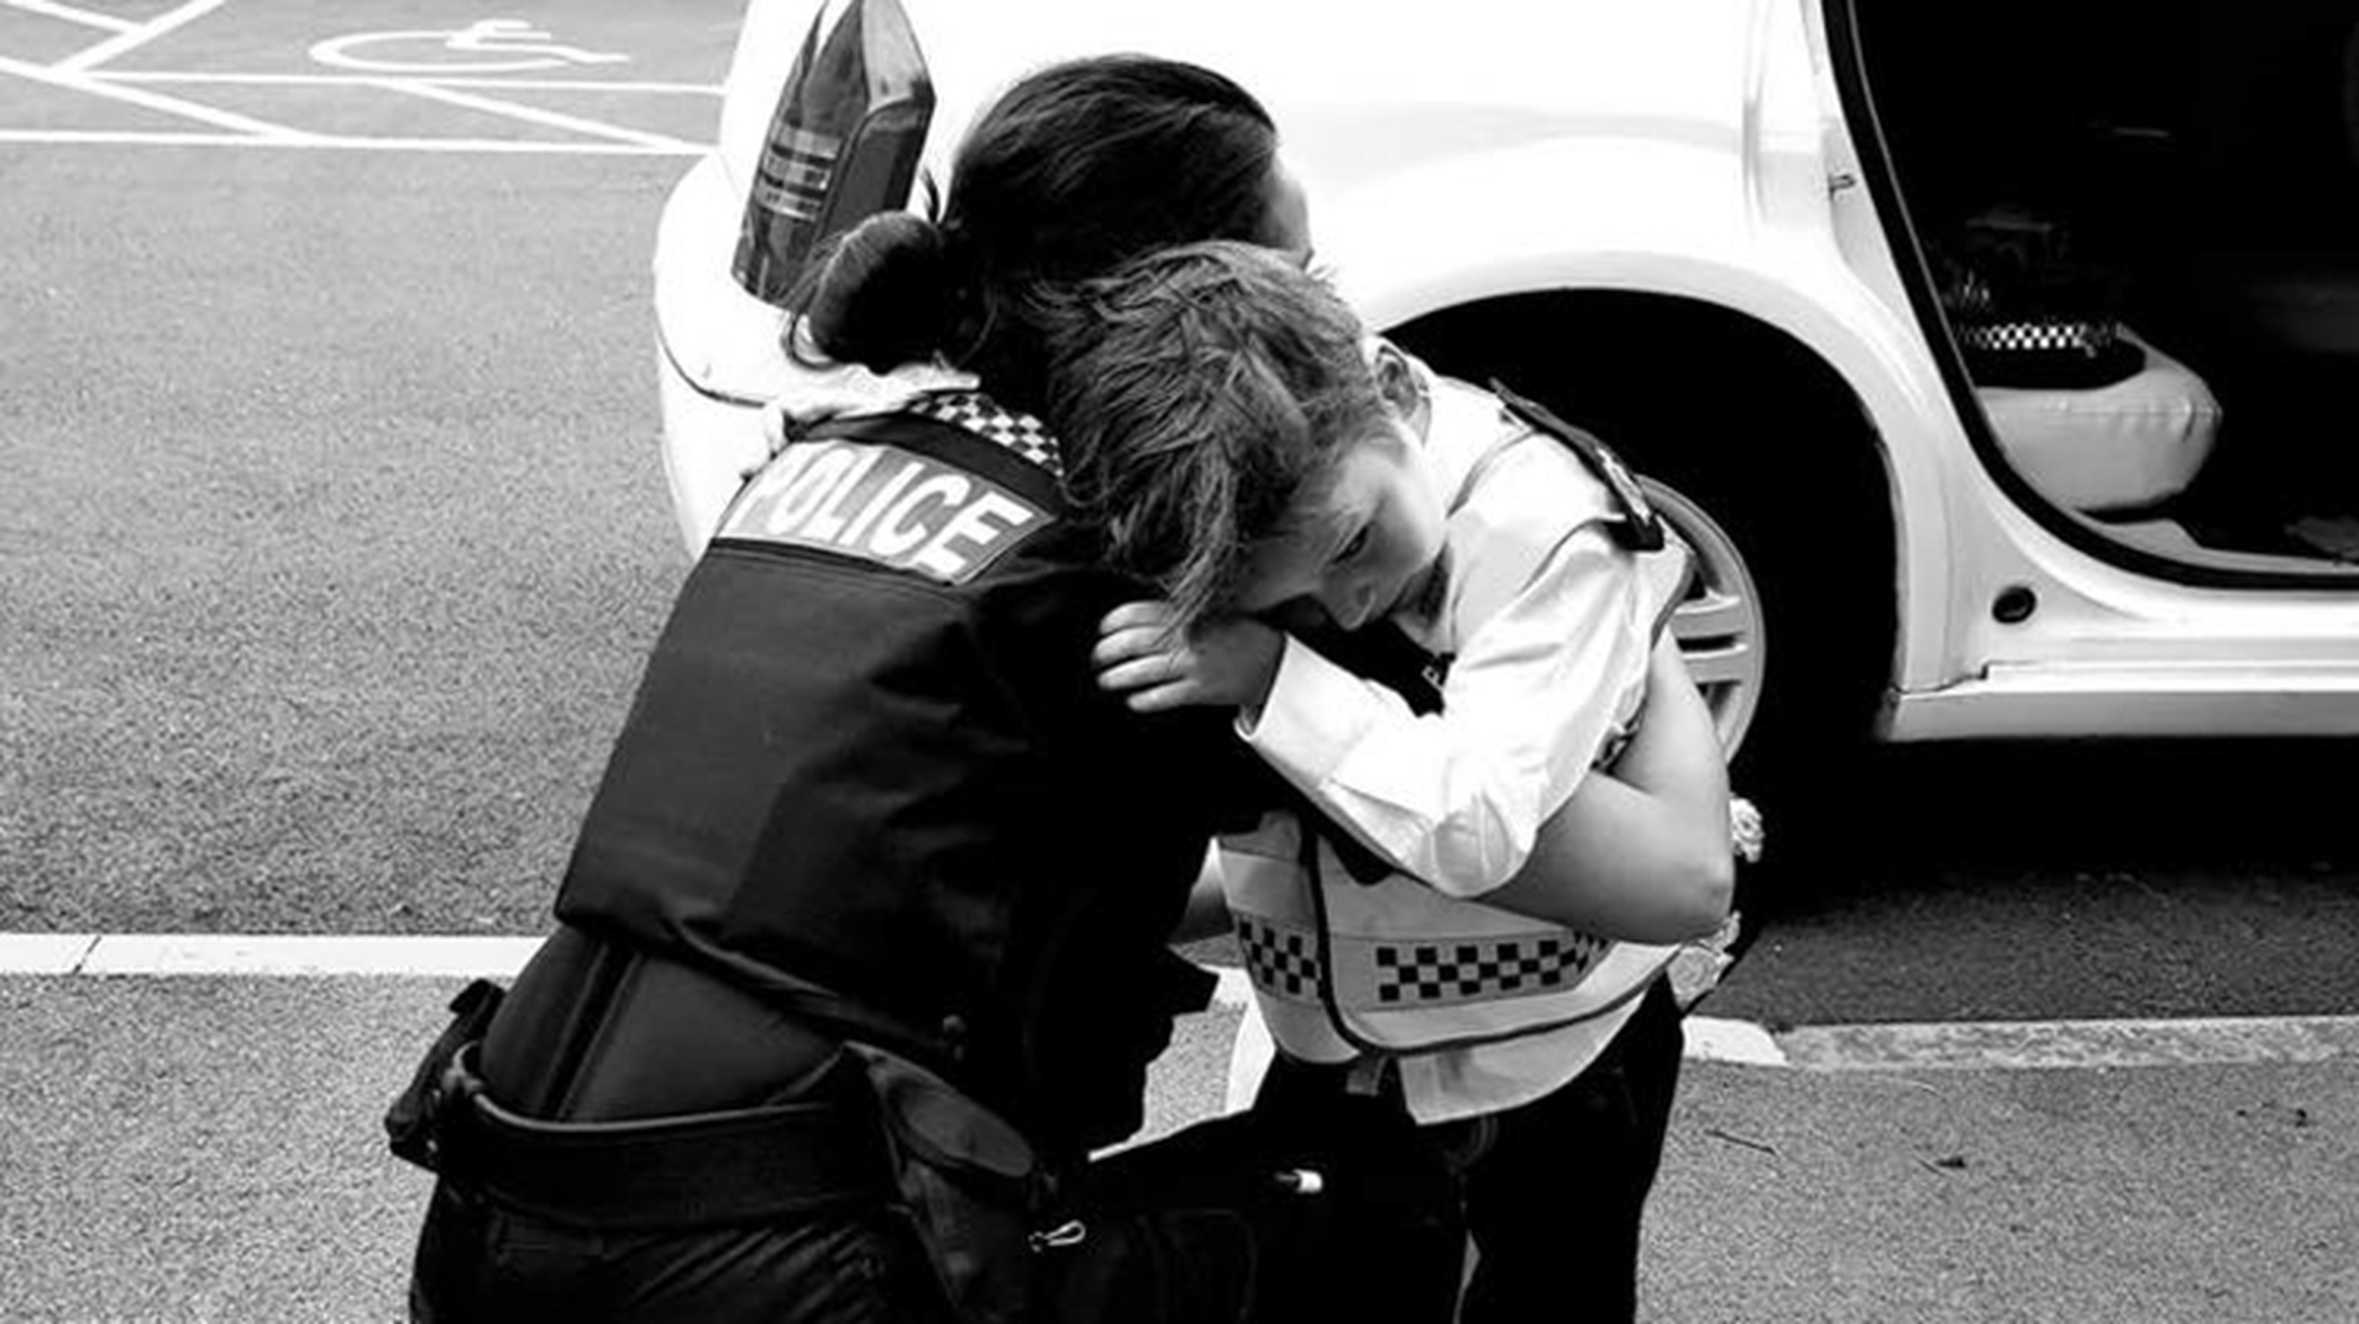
[[1137, 662]]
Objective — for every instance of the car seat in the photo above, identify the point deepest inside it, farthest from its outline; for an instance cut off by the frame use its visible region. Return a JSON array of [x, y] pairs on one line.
[[2113, 448]]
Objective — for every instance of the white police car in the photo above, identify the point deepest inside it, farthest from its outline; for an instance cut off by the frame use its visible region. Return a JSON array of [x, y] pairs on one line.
[[2002, 360]]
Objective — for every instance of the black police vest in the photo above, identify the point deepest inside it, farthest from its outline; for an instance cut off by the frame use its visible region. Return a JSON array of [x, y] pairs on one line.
[[868, 773]]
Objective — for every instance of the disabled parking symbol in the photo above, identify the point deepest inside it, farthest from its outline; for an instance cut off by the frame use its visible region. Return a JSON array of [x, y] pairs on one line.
[[477, 48]]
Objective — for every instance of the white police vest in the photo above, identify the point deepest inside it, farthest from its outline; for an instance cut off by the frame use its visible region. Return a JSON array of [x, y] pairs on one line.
[[1344, 969]]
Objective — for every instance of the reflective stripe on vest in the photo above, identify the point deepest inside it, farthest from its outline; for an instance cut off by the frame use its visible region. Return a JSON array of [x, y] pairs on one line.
[[1407, 969]]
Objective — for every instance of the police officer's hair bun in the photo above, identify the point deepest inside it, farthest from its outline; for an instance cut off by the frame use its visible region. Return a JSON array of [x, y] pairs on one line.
[[884, 293]]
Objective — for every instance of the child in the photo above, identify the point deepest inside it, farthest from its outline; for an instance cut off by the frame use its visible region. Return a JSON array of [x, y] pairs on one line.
[[1259, 467]]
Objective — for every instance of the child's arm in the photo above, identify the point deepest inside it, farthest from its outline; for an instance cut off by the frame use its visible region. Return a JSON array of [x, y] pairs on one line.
[[1640, 852], [1453, 798]]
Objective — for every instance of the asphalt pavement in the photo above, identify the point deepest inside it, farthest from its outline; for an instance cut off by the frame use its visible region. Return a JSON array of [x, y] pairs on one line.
[[335, 522], [208, 1149]]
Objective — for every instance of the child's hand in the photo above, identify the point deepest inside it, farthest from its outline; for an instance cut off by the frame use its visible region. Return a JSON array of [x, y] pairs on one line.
[[1746, 835], [1227, 662]]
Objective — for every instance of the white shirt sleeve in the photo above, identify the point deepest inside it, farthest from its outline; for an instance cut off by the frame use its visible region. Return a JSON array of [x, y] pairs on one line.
[[1455, 798]]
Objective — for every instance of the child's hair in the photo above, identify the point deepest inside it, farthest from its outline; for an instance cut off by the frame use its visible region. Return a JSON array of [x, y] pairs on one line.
[[1201, 391], [1076, 169]]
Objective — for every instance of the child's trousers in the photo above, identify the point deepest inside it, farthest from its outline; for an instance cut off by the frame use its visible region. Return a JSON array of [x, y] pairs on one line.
[[1554, 1190]]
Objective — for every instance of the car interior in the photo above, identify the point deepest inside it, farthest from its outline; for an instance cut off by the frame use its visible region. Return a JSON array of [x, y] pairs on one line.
[[2142, 223]]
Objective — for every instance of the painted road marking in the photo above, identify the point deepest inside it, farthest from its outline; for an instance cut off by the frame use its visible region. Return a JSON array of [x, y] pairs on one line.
[[1972, 1045], [44, 953], [136, 36], [261, 133], [304, 954], [459, 65], [1715, 1039], [439, 80], [492, 36], [535, 115], [493, 146], [85, 17]]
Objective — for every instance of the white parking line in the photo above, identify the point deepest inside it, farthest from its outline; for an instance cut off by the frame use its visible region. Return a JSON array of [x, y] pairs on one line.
[[85, 17], [1973, 1045], [44, 953], [605, 139], [438, 80], [305, 954], [79, 72], [456, 955], [1716, 1039], [136, 37], [535, 115], [58, 76], [494, 146]]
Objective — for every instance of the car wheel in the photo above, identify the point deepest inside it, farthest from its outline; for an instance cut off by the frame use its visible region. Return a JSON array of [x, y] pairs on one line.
[[1719, 622], [1786, 556]]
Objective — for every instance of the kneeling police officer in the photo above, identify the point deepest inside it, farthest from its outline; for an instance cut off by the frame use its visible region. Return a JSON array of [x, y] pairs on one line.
[[875, 875], [862, 948]]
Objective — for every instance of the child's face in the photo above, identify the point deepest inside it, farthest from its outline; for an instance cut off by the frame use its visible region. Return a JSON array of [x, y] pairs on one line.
[[1362, 543]]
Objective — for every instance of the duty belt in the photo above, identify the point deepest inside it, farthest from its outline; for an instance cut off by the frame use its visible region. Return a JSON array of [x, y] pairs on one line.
[[692, 1170]]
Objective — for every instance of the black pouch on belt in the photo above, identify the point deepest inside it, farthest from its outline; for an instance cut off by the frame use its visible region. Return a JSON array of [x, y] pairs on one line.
[[970, 1182], [410, 1123]]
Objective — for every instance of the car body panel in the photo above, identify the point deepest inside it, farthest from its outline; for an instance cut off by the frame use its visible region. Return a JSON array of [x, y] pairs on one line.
[[717, 351], [1697, 150]]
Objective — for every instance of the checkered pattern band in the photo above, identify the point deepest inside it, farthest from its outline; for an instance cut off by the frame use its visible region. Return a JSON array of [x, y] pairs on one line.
[[2030, 337], [1284, 962], [978, 413], [1429, 973], [1280, 961]]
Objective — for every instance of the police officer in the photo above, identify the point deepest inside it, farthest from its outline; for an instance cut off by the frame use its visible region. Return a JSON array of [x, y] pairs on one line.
[[864, 934]]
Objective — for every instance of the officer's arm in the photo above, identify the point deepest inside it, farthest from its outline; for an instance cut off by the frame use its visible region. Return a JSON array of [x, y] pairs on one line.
[[1640, 852]]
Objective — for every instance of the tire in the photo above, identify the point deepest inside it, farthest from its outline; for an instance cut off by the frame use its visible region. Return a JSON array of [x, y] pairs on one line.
[[1719, 623], [1788, 632]]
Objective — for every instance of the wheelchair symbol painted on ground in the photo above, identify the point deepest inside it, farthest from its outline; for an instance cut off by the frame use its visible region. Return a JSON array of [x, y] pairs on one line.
[[443, 51]]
